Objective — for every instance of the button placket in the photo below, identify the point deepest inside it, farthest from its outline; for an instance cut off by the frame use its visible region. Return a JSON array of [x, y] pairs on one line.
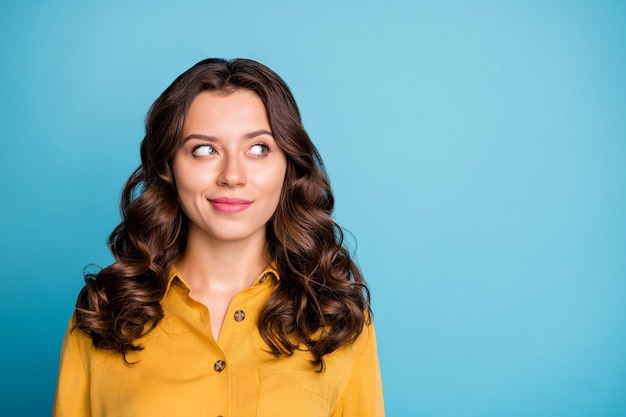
[[219, 365], [239, 315]]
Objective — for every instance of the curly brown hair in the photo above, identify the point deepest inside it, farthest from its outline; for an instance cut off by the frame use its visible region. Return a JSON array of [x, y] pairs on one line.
[[321, 301]]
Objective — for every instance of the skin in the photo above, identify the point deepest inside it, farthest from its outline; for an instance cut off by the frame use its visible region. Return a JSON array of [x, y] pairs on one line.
[[228, 152]]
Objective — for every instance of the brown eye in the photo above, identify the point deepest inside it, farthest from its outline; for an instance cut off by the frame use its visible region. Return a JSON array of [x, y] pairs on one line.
[[203, 150], [259, 149]]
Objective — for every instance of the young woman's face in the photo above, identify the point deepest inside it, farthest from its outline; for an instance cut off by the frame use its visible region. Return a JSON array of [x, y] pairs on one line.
[[229, 172]]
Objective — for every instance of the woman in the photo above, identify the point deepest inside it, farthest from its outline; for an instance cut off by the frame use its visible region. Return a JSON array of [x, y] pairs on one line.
[[231, 293]]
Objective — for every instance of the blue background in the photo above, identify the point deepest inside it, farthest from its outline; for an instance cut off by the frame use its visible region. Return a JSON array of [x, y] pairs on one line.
[[477, 151]]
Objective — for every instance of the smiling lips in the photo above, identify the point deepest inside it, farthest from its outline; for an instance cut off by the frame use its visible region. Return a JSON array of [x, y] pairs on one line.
[[230, 205]]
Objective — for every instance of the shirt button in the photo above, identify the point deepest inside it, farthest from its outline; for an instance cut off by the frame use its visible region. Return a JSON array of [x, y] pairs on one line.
[[219, 366], [240, 315]]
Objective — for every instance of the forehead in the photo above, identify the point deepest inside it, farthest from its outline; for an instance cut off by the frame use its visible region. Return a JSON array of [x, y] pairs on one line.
[[226, 112]]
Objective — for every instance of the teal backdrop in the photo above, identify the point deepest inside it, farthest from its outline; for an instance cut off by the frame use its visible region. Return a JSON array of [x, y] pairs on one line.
[[477, 150]]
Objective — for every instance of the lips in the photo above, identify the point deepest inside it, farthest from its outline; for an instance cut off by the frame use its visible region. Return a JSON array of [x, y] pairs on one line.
[[229, 205]]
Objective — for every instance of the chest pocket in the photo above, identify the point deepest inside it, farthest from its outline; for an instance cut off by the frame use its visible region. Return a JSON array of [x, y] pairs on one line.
[[288, 393]]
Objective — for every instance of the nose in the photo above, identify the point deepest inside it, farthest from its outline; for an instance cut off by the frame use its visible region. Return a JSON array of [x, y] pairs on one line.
[[232, 171]]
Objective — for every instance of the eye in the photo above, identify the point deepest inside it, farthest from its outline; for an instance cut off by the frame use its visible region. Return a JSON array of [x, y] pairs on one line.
[[259, 149], [203, 150]]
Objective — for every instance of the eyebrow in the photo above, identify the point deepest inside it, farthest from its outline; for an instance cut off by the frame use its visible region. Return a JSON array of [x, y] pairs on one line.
[[209, 138]]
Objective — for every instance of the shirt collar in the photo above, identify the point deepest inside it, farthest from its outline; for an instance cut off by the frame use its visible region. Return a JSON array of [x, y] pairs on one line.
[[174, 276]]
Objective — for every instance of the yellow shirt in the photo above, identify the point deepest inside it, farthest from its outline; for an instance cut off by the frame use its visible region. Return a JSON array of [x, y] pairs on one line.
[[183, 371]]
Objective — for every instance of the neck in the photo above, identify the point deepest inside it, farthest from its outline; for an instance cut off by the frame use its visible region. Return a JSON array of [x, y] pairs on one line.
[[222, 266]]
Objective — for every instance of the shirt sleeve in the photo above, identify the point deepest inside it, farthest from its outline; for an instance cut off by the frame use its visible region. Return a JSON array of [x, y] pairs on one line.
[[363, 396], [72, 392]]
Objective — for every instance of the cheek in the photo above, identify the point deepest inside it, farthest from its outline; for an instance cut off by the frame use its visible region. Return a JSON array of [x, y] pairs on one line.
[[188, 178], [270, 186], [278, 179]]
